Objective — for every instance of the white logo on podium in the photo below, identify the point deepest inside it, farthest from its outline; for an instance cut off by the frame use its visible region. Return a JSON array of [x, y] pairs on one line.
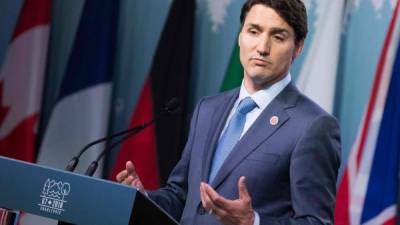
[[53, 196]]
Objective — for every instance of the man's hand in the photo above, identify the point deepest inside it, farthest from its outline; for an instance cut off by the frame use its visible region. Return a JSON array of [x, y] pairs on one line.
[[229, 212], [129, 176]]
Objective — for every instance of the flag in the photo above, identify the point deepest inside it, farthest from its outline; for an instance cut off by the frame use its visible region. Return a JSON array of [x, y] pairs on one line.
[[81, 112], [234, 73], [317, 78], [368, 191], [156, 149], [82, 109], [21, 81]]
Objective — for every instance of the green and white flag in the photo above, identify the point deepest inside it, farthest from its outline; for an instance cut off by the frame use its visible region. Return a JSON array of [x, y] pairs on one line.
[[234, 73], [317, 78]]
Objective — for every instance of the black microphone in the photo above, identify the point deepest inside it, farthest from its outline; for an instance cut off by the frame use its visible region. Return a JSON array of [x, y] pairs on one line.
[[93, 166], [172, 107]]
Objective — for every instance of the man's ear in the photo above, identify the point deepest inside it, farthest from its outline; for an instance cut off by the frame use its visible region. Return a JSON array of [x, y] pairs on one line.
[[298, 49], [239, 38]]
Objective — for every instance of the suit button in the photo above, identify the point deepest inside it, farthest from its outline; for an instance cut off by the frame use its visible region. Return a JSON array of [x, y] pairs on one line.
[[201, 210]]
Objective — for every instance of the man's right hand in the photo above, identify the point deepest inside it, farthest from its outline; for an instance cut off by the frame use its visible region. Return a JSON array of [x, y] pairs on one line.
[[129, 176]]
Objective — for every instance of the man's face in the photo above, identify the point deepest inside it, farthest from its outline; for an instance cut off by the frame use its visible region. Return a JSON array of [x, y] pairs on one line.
[[267, 47]]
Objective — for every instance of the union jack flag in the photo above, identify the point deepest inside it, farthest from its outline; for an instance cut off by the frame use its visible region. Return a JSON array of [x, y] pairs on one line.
[[368, 190]]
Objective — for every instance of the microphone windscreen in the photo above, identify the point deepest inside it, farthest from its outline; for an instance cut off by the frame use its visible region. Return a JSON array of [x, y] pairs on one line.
[[172, 105]]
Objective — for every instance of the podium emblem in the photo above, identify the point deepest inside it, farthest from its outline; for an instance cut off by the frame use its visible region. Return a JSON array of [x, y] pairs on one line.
[[53, 197]]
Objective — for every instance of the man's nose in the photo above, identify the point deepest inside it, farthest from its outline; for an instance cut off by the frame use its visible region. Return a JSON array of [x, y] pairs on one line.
[[264, 47]]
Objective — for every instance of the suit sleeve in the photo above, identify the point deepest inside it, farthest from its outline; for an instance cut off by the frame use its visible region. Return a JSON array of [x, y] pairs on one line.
[[314, 165], [172, 197]]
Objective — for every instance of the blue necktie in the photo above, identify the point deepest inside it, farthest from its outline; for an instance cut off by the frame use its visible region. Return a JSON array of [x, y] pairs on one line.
[[231, 135]]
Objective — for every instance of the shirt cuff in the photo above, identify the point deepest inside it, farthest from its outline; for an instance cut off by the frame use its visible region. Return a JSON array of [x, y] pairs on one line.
[[256, 218]]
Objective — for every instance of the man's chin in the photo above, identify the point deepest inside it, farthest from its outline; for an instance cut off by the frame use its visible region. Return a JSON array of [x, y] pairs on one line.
[[259, 80]]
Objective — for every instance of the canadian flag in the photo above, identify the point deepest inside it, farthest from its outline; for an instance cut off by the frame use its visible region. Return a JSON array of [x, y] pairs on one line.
[[21, 81]]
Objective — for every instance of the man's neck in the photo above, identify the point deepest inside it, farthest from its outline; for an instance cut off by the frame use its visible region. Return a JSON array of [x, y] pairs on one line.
[[254, 86]]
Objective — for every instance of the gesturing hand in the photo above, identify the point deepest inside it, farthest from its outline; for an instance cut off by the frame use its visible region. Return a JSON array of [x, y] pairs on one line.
[[129, 176], [229, 212]]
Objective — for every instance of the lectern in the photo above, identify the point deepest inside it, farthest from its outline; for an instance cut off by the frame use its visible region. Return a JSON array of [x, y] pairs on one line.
[[74, 198]]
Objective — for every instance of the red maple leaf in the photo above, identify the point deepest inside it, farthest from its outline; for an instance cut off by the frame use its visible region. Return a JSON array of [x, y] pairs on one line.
[[18, 143], [3, 109]]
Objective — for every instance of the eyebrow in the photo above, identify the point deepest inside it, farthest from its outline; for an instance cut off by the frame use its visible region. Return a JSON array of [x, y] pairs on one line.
[[274, 30], [254, 25]]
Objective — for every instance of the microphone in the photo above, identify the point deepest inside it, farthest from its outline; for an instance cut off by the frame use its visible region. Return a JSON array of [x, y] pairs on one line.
[[93, 166], [172, 107]]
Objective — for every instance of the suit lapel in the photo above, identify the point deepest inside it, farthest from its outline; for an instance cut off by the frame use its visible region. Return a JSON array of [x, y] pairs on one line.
[[260, 131], [219, 116]]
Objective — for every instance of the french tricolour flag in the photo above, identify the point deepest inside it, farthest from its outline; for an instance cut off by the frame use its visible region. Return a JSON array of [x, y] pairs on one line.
[[368, 191], [82, 109], [81, 113]]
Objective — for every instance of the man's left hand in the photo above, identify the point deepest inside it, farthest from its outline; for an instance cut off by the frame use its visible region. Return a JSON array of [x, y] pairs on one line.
[[229, 212]]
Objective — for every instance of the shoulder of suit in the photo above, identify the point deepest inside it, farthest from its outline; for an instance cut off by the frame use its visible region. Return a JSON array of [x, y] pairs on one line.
[[218, 98], [307, 106]]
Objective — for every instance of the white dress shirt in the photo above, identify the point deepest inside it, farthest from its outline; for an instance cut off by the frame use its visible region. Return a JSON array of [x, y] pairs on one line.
[[262, 98]]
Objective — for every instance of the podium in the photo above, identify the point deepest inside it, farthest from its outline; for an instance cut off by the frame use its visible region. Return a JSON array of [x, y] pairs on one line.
[[74, 198]]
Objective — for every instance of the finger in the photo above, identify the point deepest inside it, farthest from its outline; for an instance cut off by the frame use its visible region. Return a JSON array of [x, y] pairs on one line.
[[121, 176], [243, 193], [128, 180], [209, 204], [202, 195], [211, 208], [137, 184], [216, 199], [130, 168], [220, 213]]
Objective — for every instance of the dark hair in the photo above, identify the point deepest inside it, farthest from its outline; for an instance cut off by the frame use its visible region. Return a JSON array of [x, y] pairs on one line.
[[292, 11]]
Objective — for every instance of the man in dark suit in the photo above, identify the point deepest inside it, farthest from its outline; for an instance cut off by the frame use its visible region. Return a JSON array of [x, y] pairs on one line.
[[263, 153]]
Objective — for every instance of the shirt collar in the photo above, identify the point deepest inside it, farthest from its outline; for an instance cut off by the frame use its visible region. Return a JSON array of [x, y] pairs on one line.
[[265, 96]]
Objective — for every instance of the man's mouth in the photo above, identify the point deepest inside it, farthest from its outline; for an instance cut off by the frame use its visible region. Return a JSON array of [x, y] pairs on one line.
[[260, 61]]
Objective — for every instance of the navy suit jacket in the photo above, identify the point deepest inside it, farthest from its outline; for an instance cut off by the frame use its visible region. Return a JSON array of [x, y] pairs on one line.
[[290, 168]]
